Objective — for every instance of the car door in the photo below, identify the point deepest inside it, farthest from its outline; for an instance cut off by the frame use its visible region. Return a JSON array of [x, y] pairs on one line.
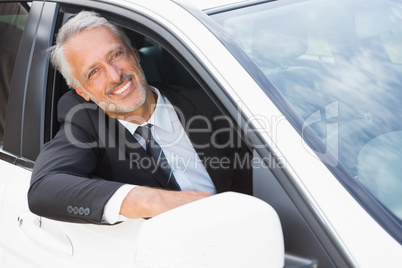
[[27, 240], [14, 177]]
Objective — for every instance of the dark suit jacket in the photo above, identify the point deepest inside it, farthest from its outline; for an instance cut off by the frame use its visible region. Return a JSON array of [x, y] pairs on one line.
[[92, 155]]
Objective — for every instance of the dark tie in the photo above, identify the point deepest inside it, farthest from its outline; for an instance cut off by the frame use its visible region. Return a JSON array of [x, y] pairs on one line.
[[153, 148]]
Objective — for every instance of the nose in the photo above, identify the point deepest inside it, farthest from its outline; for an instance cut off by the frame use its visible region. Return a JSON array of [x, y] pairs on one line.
[[114, 72]]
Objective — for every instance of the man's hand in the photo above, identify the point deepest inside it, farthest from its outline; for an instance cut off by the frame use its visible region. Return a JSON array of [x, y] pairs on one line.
[[144, 202]]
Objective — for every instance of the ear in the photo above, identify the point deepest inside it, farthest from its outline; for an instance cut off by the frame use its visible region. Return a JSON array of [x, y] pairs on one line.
[[81, 93]]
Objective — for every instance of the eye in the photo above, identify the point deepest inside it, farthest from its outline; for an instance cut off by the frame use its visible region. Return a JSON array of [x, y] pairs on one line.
[[117, 54], [93, 72]]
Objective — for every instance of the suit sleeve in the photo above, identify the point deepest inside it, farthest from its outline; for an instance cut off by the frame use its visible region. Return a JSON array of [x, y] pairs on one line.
[[63, 186]]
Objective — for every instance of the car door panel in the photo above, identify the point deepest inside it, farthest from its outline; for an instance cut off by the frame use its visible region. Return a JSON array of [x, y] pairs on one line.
[[17, 249], [17, 96], [28, 240], [6, 168]]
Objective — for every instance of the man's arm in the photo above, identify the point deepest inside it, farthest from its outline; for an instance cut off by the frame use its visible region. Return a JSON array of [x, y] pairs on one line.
[[145, 202], [59, 187], [63, 186]]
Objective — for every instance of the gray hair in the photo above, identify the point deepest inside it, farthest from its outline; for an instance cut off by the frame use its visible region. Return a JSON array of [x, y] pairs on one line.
[[82, 21]]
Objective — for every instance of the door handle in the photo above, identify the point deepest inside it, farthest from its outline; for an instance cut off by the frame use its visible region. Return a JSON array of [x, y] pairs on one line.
[[31, 225]]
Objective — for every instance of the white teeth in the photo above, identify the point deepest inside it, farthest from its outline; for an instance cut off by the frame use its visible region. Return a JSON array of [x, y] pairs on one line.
[[123, 88]]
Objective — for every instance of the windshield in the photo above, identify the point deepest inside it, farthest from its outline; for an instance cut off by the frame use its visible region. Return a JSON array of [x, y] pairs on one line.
[[338, 64]]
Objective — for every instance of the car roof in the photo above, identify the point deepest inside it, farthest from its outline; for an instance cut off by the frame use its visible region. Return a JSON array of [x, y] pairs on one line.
[[211, 4]]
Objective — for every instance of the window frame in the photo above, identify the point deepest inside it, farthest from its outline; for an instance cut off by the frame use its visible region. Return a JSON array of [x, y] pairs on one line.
[[10, 151], [25, 109]]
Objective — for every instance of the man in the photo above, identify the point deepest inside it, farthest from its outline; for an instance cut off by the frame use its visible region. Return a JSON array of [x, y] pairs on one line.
[[100, 167]]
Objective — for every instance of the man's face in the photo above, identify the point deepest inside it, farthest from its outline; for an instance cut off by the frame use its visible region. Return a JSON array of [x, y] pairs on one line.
[[107, 70]]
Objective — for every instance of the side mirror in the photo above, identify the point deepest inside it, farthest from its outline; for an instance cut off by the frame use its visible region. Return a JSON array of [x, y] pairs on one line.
[[224, 230]]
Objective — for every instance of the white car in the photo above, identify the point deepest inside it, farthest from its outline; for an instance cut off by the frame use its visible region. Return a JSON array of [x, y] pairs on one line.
[[315, 86]]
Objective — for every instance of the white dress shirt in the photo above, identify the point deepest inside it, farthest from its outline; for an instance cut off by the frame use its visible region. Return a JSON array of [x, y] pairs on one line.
[[184, 162]]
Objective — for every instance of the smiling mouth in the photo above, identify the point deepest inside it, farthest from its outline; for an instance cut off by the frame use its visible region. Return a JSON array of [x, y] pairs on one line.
[[128, 84]]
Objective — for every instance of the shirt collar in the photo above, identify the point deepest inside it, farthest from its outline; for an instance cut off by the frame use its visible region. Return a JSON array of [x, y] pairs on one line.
[[160, 118]]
